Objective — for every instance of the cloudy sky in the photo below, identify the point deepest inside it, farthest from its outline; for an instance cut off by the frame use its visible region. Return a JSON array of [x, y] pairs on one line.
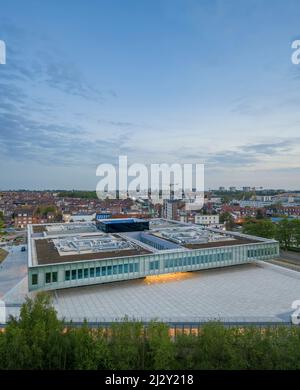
[[159, 81]]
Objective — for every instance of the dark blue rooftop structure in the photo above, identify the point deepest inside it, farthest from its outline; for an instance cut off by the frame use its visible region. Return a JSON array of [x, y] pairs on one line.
[[120, 225], [103, 216]]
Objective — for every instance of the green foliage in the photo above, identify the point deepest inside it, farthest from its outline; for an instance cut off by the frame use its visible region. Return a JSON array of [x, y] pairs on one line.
[[126, 345], [185, 352], [214, 348], [287, 231], [35, 340], [1, 221], [89, 349], [160, 347], [38, 340], [44, 210], [78, 194], [261, 228], [228, 196], [3, 254], [259, 214], [228, 219]]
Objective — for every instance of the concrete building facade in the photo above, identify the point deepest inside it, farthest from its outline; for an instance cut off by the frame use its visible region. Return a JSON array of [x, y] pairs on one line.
[[78, 255], [208, 219]]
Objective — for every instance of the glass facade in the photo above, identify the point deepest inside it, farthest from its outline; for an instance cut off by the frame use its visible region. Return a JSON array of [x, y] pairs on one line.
[[101, 271], [125, 225], [154, 265], [198, 260], [87, 272], [154, 244], [48, 277], [34, 279]]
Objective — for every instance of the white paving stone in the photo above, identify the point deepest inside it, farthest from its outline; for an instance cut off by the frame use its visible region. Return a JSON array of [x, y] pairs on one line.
[[250, 292]]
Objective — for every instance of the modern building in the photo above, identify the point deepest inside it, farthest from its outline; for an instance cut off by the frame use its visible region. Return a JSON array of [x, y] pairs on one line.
[[264, 198], [24, 216], [103, 215], [252, 203], [171, 208], [208, 219], [119, 225], [79, 254], [79, 217]]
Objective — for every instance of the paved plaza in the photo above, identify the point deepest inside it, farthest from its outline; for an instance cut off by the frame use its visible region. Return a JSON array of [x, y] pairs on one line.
[[13, 269], [244, 293], [240, 293]]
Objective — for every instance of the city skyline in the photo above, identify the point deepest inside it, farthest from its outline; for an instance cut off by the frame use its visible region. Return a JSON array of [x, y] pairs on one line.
[[163, 81]]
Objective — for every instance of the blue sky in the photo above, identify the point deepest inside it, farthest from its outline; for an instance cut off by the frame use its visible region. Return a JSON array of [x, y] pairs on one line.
[[158, 81]]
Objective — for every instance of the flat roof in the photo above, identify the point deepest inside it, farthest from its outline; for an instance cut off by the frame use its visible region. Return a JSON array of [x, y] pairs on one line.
[[79, 241], [216, 244], [47, 253], [192, 236], [157, 223], [121, 220], [64, 228]]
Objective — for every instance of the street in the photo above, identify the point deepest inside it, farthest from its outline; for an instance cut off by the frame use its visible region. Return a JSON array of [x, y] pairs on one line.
[[13, 269]]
